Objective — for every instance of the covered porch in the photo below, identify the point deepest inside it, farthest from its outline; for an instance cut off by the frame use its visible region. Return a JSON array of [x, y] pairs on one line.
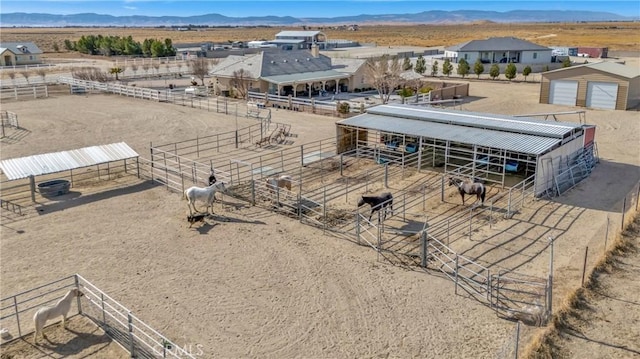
[[307, 84]]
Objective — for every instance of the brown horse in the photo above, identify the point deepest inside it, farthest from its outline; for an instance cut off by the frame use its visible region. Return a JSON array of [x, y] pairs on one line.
[[283, 181], [468, 187]]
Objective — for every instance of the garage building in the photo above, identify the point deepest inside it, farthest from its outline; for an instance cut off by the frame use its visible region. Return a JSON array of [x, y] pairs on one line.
[[602, 85], [504, 150]]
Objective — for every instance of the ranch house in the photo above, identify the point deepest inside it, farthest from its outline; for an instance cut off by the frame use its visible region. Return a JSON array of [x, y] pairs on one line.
[[19, 53], [295, 73], [502, 150], [499, 50]]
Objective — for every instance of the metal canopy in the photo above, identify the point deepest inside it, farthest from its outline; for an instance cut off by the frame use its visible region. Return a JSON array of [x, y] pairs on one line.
[[54, 162], [510, 141], [478, 120]]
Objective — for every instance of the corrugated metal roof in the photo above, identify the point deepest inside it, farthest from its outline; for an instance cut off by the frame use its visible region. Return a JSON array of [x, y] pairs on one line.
[[306, 76], [516, 142], [285, 41], [46, 163], [521, 125]]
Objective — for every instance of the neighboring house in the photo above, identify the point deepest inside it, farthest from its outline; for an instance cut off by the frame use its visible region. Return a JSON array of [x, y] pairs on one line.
[[296, 73], [499, 50], [19, 53], [299, 40], [604, 85]]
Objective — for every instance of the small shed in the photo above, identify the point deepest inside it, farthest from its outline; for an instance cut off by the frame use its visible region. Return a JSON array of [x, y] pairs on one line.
[[602, 85], [56, 162]]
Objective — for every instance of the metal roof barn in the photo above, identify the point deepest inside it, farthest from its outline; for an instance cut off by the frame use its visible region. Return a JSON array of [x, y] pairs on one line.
[[42, 164]]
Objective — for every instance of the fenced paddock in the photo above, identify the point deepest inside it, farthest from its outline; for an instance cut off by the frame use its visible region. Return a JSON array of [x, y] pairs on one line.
[[132, 334], [24, 92], [9, 120]]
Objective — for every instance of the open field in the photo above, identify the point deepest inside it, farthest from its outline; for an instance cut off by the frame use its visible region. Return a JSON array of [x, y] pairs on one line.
[[256, 284], [615, 36]]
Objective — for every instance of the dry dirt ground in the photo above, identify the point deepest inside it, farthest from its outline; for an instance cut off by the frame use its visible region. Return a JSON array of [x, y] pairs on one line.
[[251, 283]]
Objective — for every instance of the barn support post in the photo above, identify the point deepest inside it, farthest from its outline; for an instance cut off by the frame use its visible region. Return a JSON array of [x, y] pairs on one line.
[[32, 185]]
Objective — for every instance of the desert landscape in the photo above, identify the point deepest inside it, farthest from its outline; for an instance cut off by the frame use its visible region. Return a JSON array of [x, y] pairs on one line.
[[252, 283]]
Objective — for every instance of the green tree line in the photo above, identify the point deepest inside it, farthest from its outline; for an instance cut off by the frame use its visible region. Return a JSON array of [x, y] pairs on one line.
[[116, 45]]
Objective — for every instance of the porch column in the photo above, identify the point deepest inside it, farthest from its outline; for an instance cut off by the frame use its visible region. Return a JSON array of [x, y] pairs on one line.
[[323, 87], [279, 87], [295, 90]]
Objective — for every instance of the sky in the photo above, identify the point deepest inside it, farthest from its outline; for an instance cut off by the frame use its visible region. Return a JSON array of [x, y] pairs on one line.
[[302, 8]]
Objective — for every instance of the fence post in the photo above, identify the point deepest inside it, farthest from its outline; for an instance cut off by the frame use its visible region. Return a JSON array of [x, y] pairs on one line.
[[358, 227], [15, 306], [442, 189], [425, 250], [253, 192], [624, 209], [509, 205], [584, 266], [491, 214], [104, 321], [78, 298], [131, 345], [517, 338], [386, 175], [456, 290]]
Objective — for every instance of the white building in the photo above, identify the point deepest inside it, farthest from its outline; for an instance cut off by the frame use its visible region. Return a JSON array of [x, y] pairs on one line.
[[499, 50]]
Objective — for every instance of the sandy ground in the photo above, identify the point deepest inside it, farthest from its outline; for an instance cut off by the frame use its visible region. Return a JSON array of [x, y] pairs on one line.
[[251, 283]]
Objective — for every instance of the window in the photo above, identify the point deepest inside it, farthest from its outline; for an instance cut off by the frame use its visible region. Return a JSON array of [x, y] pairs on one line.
[[535, 55], [30, 57], [466, 56]]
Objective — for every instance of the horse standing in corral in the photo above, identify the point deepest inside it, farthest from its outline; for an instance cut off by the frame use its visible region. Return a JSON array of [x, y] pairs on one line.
[[274, 184], [61, 308], [206, 195], [377, 203], [468, 187]]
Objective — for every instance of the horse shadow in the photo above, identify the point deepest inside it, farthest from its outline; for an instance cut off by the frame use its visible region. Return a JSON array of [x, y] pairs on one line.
[[76, 345]]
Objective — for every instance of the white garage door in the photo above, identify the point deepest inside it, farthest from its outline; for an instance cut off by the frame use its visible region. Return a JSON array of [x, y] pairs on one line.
[[563, 92], [602, 95]]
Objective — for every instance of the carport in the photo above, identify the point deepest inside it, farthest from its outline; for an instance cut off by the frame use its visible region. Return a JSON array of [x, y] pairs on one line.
[[493, 147], [56, 162]]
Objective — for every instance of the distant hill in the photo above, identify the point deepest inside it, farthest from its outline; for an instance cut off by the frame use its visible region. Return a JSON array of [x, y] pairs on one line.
[[425, 17]]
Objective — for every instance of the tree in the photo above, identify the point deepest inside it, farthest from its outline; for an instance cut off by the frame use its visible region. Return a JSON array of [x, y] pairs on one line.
[[240, 82], [116, 71], [200, 68], [70, 46], [26, 75], [526, 72], [494, 71], [463, 68], [384, 74], [42, 73], [134, 68], [566, 62], [478, 68], [510, 71], [434, 68], [407, 65], [12, 76], [420, 65], [447, 68]]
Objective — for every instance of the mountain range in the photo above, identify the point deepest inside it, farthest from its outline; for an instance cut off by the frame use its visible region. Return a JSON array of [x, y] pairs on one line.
[[425, 17]]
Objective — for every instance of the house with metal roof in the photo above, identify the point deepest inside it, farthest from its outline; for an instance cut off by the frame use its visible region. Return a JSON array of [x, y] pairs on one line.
[[299, 40], [602, 85], [499, 149], [500, 50], [296, 73], [19, 53]]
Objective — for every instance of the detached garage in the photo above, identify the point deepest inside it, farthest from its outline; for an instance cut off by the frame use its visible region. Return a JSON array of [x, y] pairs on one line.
[[602, 85]]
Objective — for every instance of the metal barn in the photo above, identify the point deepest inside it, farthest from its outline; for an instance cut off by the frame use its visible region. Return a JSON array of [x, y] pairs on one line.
[[502, 150]]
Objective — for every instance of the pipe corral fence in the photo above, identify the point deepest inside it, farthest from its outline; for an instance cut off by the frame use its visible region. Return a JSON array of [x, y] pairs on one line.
[[135, 336]]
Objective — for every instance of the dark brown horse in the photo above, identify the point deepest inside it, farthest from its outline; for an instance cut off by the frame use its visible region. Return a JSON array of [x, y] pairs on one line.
[[377, 203], [468, 187]]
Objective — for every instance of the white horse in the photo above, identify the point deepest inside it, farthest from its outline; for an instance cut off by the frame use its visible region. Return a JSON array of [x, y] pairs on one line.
[[61, 308], [206, 195]]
